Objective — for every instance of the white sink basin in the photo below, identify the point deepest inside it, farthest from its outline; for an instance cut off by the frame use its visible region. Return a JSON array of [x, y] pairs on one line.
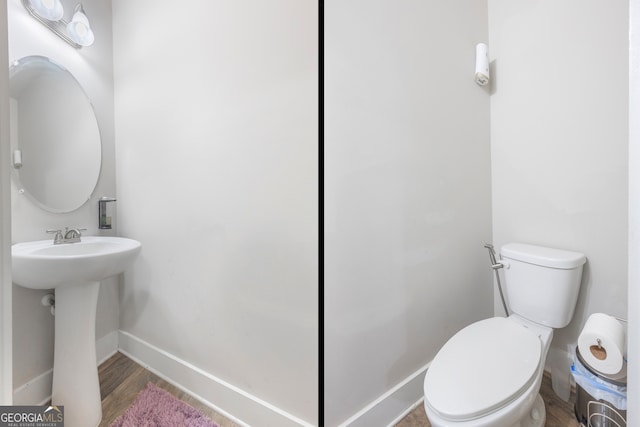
[[75, 271], [43, 265]]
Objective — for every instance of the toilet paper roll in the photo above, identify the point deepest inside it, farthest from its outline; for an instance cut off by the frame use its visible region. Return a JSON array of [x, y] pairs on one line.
[[602, 343]]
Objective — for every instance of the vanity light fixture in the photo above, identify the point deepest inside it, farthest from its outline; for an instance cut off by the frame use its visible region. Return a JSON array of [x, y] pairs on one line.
[[50, 13], [51, 10], [79, 28]]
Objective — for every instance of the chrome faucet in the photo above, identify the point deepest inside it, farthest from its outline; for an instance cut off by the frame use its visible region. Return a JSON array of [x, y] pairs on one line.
[[69, 236], [73, 235]]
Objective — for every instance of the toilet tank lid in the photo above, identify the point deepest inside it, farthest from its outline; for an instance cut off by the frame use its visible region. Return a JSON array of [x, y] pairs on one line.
[[543, 256]]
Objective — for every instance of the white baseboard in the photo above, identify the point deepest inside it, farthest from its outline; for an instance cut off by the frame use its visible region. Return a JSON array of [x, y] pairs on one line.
[[205, 387], [392, 406], [106, 347], [37, 391]]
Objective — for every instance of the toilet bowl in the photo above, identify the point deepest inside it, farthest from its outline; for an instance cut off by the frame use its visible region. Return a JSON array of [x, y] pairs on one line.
[[489, 373]]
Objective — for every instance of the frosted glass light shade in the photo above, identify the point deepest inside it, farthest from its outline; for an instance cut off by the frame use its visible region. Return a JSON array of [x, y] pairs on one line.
[[79, 29], [51, 10]]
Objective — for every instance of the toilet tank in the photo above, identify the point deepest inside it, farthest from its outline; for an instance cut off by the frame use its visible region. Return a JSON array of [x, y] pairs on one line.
[[542, 284]]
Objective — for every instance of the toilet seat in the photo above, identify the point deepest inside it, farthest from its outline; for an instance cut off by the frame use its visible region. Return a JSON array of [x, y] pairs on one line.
[[482, 368]]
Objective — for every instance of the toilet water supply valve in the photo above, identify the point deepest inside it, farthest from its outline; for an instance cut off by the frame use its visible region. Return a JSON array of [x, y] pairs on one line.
[[497, 265], [49, 300]]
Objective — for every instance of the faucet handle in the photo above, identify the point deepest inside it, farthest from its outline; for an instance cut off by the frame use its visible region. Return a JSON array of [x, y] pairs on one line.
[[58, 238]]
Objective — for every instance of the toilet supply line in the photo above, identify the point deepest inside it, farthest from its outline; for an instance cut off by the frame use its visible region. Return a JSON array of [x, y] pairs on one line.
[[495, 266]]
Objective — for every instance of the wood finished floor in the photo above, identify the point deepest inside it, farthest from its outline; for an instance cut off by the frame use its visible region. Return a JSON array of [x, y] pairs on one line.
[[121, 379], [559, 412]]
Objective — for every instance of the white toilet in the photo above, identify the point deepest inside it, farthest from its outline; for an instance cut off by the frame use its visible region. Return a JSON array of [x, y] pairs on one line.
[[489, 373]]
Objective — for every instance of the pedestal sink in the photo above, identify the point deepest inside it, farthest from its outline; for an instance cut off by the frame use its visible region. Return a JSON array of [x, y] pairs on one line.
[[75, 271]]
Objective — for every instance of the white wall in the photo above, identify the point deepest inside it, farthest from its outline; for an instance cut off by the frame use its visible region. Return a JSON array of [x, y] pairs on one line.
[[92, 67], [633, 398], [217, 153], [407, 196], [6, 381], [559, 139]]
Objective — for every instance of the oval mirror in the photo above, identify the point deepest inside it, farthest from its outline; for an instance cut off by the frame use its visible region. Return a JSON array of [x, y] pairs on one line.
[[55, 139]]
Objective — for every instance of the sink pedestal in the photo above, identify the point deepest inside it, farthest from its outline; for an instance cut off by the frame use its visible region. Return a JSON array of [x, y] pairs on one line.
[[75, 371]]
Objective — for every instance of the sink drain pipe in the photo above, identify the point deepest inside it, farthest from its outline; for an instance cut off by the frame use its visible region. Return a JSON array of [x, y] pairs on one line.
[[49, 300]]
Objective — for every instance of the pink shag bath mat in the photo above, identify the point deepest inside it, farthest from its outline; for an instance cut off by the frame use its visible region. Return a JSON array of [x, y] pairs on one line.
[[155, 407]]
